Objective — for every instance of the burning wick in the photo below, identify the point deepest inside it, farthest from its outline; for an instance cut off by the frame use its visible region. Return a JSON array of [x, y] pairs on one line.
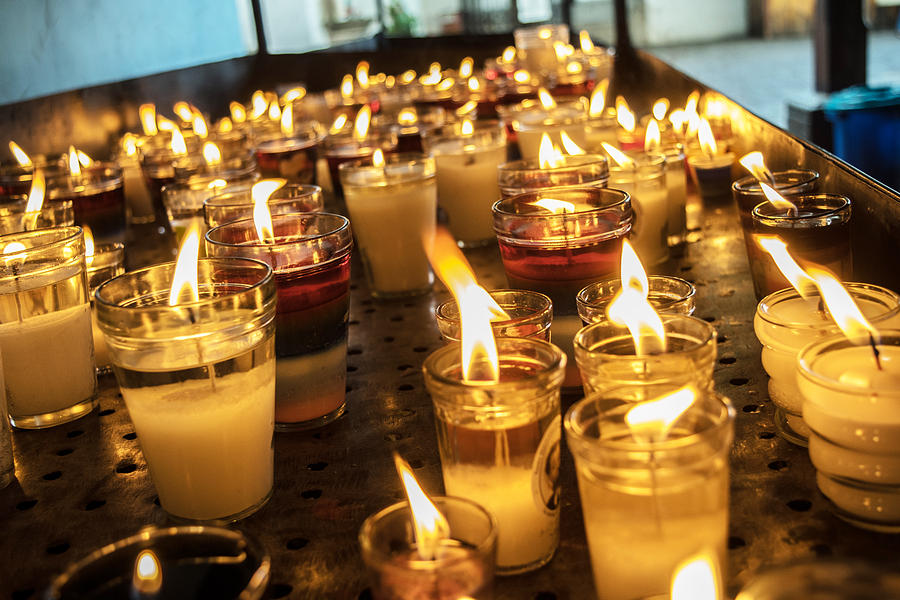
[[430, 527]]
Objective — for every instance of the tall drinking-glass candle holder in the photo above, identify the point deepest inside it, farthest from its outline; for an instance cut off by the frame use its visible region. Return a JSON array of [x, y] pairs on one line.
[[199, 382], [531, 120], [104, 261], [850, 403], [558, 253], [138, 203], [45, 327], [291, 156], [97, 196], [310, 256], [7, 465], [499, 443], [530, 315], [394, 212], [14, 218], [663, 497], [184, 200], [748, 193], [466, 158], [237, 205], [785, 322], [158, 166], [671, 295], [463, 568], [644, 179], [520, 176], [535, 47], [192, 563], [606, 355]]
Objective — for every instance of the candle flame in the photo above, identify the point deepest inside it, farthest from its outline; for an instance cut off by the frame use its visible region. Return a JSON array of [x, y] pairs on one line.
[[378, 158], [624, 115], [549, 155], [660, 108], [622, 159], [467, 108], [466, 67], [598, 99], [74, 163], [756, 164], [509, 54], [19, 154], [198, 124], [777, 199], [574, 68], [715, 106], [36, 193], [545, 33], [361, 124], [696, 579], [148, 118], [211, 154], [216, 184], [177, 144], [473, 84], [434, 67], [287, 120], [262, 218], [274, 111], [259, 103], [521, 76], [652, 137], [225, 125], [843, 309], [184, 280], [692, 100], [339, 123], [446, 84], [584, 39], [238, 112], [147, 578], [651, 420], [560, 49], [85, 160], [430, 527], [347, 86], [296, 93], [795, 275], [407, 77], [693, 123], [467, 129], [555, 206], [631, 308], [165, 124], [129, 144], [546, 99], [88, 245], [707, 139], [678, 118], [183, 110], [390, 81], [362, 74], [569, 145], [407, 116]]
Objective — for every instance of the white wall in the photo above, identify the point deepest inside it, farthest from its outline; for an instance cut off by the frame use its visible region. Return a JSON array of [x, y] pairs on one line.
[[669, 22]]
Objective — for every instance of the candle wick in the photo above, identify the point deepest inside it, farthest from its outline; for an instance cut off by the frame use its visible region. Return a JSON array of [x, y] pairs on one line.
[[820, 308], [875, 351]]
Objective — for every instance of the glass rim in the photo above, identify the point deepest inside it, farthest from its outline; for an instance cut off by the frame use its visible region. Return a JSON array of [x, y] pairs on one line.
[[101, 176], [440, 312], [666, 318], [56, 236], [572, 162], [342, 226], [807, 355], [236, 198], [621, 199], [642, 160], [583, 297], [745, 185], [298, 140], [842, 204], [763, 309]]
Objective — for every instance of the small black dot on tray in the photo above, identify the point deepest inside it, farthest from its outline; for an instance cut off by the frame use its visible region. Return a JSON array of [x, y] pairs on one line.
[[799, 505], [406, 387], [727, 360], [296, 543], [280, 590], [52, 475], [22, 594], [735, 542], [317, 466], [106, 412], [738, 381], [130, 436], [94, 504], [74, 433], [126, 467], [57, 548], [750, 408], [766, 435], [65, 451], [26, 504], [420, 349], [311, 494]]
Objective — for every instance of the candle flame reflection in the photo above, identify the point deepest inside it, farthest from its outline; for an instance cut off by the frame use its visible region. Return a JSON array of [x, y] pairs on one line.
[[378, 158], [184, 280], [148, 118], [19, 155], [692, 100], [631, 308], [696, 579], [262, 218], [651, 420], [225, 125], [147, 577], [274, 111], [430, 527], [297, 93], [183, 110], [407, 77], [473, 84], [467, 108], [707, 139], [339, 123], [467, 129]]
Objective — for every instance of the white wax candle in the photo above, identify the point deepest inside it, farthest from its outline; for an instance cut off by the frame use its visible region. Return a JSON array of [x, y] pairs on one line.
[[650, 200], [310, 386], [876, 506], [854, 464], [529, 136], [48, 361]]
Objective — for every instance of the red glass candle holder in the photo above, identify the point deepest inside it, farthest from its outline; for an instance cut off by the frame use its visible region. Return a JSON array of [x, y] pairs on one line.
[[236, 205], [310, 256], [291, 156], [98, 198], [520, 176]]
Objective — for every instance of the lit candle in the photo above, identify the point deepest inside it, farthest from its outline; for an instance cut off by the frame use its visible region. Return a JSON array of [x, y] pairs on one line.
[[16, 179], [666, 294], [28, 212], [531, 119], [341, 147], [535, 47], [555, 167], [292, 151], [676, 178], [711, 167], [236, 202]]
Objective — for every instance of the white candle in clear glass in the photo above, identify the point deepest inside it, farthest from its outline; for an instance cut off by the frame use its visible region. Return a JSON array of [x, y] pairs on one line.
[[645, 181], [531, 120]]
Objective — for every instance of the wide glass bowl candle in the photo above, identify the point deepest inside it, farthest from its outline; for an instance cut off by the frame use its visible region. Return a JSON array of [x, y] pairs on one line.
[[394, 213], [530, 314], [14, 218], [520, 176], [464, 567], [818, 233], [785, 322], [45, 327], [195, 563], [606, 355], [199, 382], [236, 205], [291, 156], [466, 168], [651, 505], [519, 414], [644, 179], [671, 295], [310, 256], [97, 196], [531, 120]]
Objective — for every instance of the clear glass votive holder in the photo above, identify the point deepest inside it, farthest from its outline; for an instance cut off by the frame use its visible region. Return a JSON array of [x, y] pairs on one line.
[[826, 579], [184, 200], [748, 194], [466, 170], [850, 404], [520, 414], [464, 567], [671, 295], [531, 120], [819, 233], [14, 218], [239, 167], [520, 176], [342, 148], [606, 355], [535, 47], [157, 165], [237, 205], [601, 128], [291, 156], [676, 183], [530, 314], [195, 562], [394, 213], [666, 499], [645, 180], [310, 257], [15, 180], [45, 327], [712, 175], [106, 262], [199, 382], [97, 196], [785, 322]]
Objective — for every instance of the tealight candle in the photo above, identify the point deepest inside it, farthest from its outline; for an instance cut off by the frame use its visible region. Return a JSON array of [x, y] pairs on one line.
[[671, 295], [531, 175], [98, 198], [748, 193], [643, 177], [184, 200], [657, 489], [291, 154], [601, 128], [530, 315], [499, 443], [535, 47], [221, 208]]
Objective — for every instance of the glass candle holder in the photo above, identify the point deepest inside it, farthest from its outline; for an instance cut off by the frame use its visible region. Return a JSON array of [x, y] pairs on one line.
[[519, 413], [97, 196], [785, 322], [195, 562], [671, 295], [107, 261], [14, 218], [237, 205], [344, 148], [239, 167], [531, 120], [824, 580], [530, 315], [606, 356], [199, 382], [850, 403], [15, 179], [7, 465], [158, 166], [667, 499], [310, 255], [185, 200], [748, 193], [676, 183], [535, 47], [601, 128], [520, 176], [45, 328], [712, 175], [291, 156], [645, 181], [464, 567], [394, 213], [138, 203], [819, 233], [466, 171]]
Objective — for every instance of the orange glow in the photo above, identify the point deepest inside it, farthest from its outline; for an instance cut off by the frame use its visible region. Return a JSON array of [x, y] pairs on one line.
[[362, 74], [651, 420], [224, 125], [148, 119], [545, 33], [678, 118], [37, 192], [198, 124], [756, 164], [466, 67], [560, 50], [129, 144], [184, 280], [630, 308], [238, 112], [546, 99], [715, 106], [287, 120], [624, 115], [407, 77], [432, 78], [407, 116], [274, 111], [521, 76], [777, 199], [796, 276], [660, 108], [347, 86], [509, 54], [183, 110], [598, 99], [569, 145], [85, 160], [361, 124], [19, 154], [473, 84], [216, 184], [555, 206], [574, 68], [297, 93], [74, 164], [549, 155], [692, 100], [622, 159], [378, 158], [259, 103], [446, 84], [467, 128], [430, 527], [88, 245], [211, 154], [262, 218], [467, 108], [707, 139], [652, 138], [584, 38], [165, 124]]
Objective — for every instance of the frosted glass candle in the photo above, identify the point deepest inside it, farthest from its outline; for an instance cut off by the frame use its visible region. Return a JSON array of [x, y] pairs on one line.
[[394, 213], [650, 505], [199, 383], [531, 120], [535, 47], [499, 444], [45, 328], [785, 323], [645, 181]]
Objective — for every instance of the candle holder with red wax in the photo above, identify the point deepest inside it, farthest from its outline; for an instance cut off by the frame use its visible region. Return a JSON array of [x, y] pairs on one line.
[[819, 232], [573, 78], [238, 204], [310, 255], [14, 180], [530, 315], [666, 294], [97, 195], [291, 153], [528, 175], [410, 126]]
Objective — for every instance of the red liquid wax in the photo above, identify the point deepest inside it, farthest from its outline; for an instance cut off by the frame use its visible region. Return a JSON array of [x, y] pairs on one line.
[[103, 212]]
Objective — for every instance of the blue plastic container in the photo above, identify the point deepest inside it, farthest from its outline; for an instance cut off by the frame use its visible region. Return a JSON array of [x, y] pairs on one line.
[[867, 130]]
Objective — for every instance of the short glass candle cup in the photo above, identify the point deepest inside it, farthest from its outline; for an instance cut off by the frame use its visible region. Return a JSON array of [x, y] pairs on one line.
[[97, 196], [45, 327], [157, 165], [104, 261], [310, 257], [530, 314], [818, 233], [14, 218], [519, 487], [531, 120], [393, 209], [291, 156], [211, 562], [237, 205], [199, 382], [466, 169], [184, 200], [676, 183], [463, 567], [606, 356], [748, 193], [520, 176], [785, 322], [850, 403], [644, 179], [601, 128], [535, 47], [15, 179], [823, 579], [665, 497], [671, 295], [712, 175]]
